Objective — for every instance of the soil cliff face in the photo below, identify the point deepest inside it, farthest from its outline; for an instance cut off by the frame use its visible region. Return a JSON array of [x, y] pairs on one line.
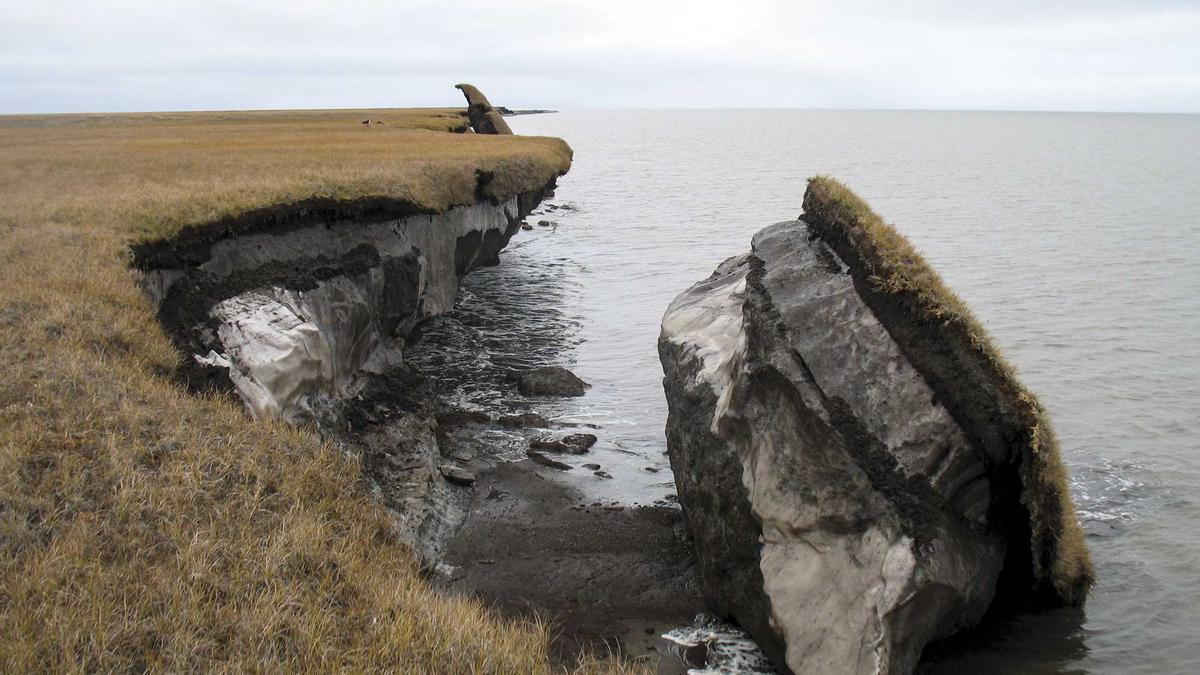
[[294, 316], [848, 506], [305, 318]]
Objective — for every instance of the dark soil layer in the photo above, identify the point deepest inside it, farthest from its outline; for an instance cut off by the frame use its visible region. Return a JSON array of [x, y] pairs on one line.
[[190, 299], [608, 578], [192, 245]]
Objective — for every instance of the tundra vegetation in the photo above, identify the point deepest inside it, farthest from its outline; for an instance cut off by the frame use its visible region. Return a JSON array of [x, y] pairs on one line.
[[145, 527]]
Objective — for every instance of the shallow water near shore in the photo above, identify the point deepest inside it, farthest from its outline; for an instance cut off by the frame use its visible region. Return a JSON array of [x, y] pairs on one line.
[[1074, 238]]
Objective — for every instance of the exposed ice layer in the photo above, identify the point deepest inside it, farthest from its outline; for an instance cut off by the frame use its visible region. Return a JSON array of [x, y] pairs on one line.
[[287, 350], [706, 324], [285, 347]]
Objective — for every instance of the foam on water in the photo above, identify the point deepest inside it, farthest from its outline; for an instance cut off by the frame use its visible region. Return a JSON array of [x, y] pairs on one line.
[[713, 647]]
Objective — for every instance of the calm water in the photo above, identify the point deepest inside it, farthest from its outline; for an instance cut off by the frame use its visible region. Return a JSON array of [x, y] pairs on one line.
[[1075, 238]]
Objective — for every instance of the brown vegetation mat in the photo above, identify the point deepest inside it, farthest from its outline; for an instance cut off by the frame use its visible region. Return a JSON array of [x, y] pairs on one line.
[[145, 528]]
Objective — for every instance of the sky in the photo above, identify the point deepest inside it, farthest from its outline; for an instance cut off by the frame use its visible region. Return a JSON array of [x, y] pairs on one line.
[[110, 55]]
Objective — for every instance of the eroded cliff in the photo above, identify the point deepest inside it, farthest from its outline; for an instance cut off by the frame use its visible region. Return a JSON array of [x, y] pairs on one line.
[[305, 316]]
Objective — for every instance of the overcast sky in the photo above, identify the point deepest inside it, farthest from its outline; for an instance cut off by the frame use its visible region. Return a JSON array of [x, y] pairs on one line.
[[1141, 55]]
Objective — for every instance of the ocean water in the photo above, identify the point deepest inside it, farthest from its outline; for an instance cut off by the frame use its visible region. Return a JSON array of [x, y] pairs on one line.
[[1074, 237]]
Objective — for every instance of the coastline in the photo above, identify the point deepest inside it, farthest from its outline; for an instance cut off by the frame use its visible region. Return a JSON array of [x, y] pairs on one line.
[[166, 480]]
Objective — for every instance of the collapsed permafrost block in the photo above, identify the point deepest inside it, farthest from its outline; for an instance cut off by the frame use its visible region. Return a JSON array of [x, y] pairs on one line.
[[860, 470], [484, 118]]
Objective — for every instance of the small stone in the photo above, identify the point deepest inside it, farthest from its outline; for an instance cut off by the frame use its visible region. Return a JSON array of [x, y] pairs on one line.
[[650, 469], [455, 417], [602, 474], [457, 474], [529, 419], [547, 444], [592, 467], [550, 381], [526, 226], [546, 461], [544, 223], [582, 442], [574, 444]]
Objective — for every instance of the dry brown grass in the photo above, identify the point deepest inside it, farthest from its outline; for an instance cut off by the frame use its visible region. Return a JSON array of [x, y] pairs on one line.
[[145, 528], [149, 175], [898, 270]]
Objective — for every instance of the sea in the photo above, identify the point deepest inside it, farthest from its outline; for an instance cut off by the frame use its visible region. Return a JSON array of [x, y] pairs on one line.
[[1074, 237]]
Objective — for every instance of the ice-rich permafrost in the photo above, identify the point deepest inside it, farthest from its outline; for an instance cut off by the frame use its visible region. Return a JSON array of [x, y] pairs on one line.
[[860, 470], [304, 313]]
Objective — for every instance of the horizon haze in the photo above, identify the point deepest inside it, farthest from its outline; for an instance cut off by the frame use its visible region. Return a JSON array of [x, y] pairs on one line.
[[123, 56]]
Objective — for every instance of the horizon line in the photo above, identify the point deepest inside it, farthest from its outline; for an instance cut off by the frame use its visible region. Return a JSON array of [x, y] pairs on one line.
[[609, 109]]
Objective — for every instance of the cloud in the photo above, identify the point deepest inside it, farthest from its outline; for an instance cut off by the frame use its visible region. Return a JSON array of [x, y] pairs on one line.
[[1048, 55]]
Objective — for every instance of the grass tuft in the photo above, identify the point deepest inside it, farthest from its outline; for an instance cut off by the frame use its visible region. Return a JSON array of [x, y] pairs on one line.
[[1060, 557]]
